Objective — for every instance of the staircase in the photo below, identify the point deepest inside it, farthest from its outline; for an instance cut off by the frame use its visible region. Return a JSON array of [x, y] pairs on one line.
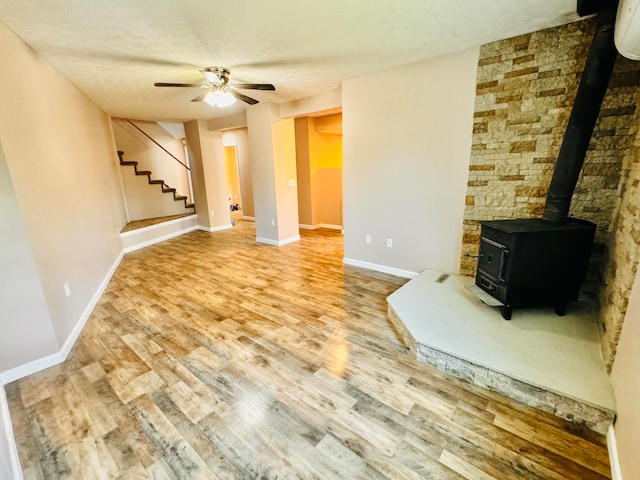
[[165, 188]]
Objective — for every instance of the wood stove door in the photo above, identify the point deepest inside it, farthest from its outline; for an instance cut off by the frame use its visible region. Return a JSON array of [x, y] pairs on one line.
[[492, 260]]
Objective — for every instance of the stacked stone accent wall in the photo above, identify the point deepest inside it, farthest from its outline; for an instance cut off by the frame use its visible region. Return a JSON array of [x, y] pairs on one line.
[[525, 90], [622, 252]]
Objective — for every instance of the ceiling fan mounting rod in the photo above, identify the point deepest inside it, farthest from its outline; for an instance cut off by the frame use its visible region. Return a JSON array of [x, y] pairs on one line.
[[220, 72]]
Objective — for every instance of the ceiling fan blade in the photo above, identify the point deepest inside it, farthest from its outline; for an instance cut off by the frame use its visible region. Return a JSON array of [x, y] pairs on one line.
[[255, 86], [211, 77], [244, 98], [201, 97], [164, 84], [216, 75]]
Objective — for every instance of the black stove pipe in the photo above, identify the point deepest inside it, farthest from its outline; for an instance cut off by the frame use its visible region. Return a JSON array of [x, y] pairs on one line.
[[591, 91]]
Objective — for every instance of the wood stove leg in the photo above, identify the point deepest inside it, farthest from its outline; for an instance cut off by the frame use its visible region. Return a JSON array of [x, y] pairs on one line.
[[507, 310], [560, 308]]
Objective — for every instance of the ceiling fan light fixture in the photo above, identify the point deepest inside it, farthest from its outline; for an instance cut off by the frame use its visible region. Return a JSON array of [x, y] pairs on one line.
[[220, 98]]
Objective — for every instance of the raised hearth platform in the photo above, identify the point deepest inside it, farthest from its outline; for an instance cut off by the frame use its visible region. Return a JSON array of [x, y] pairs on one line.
[[548, 362]]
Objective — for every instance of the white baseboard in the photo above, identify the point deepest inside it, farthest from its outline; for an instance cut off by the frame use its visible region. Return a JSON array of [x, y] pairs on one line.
[[34, 366], [8, 430], [614, 460], [214, 229], [278, 243], [162, 238], [251, 219], [320, 225], [39, 364], [380, 268]]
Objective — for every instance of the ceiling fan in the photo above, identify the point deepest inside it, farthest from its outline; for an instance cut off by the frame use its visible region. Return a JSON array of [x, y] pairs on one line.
[[220, 92]]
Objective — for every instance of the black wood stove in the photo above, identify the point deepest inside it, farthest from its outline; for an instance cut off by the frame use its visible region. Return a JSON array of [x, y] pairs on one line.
[[543, 261], [533, 261]]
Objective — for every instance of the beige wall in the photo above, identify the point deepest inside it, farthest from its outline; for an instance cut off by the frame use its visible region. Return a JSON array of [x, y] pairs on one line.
[[192, 132], [625, 377], [329, 102], [303, 171], [239, 137], [266, 178], [330, 193], [27, 331], [284, 155], [260, 118], [208, 174], [407, 139], [62, 160]]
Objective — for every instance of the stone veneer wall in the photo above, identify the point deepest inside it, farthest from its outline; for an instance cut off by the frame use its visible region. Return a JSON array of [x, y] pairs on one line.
[[622, 251], [525, 90]]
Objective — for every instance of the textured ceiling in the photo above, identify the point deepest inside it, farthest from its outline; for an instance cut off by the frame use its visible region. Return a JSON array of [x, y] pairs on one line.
[[114, 50]]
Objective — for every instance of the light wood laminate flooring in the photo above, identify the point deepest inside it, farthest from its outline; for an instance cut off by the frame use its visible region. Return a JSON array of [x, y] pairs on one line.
[[210, 356]]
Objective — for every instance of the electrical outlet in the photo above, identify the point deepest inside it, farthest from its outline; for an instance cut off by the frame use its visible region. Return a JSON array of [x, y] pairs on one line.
[[273, 222], [212, 213], [389, 242], [67, 290], [367, 239]]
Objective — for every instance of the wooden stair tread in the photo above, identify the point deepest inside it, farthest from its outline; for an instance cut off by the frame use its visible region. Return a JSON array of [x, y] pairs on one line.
[[165, 188]]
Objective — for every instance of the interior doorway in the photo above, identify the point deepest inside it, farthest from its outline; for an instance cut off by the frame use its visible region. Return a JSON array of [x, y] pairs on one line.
[[233, 181], [319, 171]]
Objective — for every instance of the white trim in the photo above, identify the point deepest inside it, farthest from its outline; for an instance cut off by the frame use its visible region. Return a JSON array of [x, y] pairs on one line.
[[278, 243], [380, 268], [8, 429], [614, 460], [214, 229], [251, 219], [39, 364], [330, 226], [162, 238], [29, 368], [320, 225], [157, 225]]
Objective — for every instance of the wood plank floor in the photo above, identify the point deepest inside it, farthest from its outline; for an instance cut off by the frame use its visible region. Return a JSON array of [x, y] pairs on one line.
[[210, 356]]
